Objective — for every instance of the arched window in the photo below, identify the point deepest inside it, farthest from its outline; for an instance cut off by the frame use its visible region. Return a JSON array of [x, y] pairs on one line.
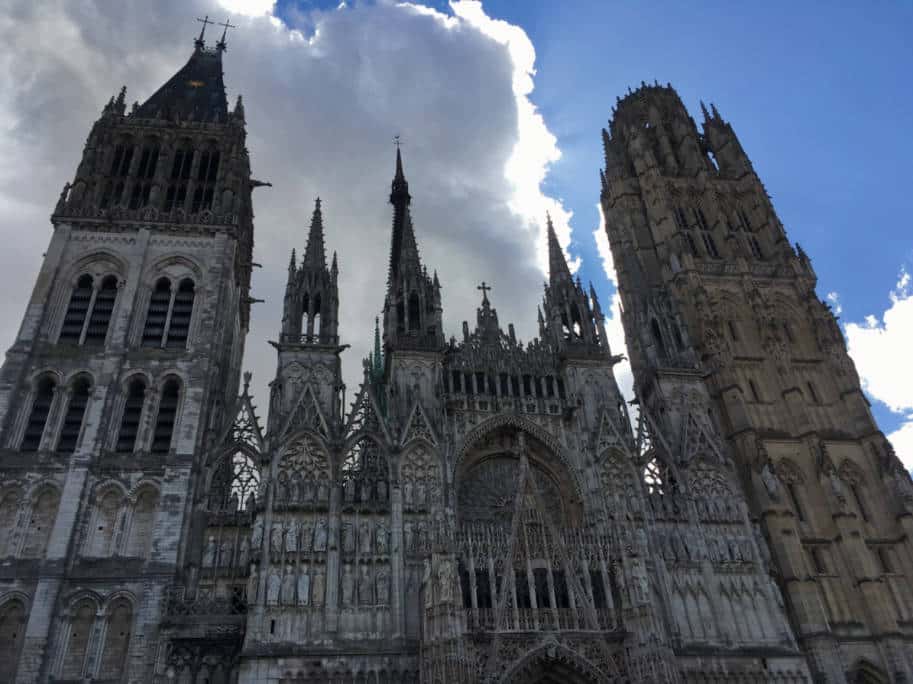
[[314, 327], [77, 311], [129, 423], [415, 312], [117, 641], [41, 523], [104, 524], [76, 411], [181, 308], [167, 414], [12, 632], [168, 319], [38, 418], [157, 316], [207, 172], [141, 527], [102, 308], [176, 195], [234, 484], [576, 321], [80, 629], [142, 185], [9, 516]]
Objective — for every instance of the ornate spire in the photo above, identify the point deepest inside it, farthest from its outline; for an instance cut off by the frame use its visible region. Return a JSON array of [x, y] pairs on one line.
[[315, 252], [557, 264], [200, 43], [222, 45], [402, 246]]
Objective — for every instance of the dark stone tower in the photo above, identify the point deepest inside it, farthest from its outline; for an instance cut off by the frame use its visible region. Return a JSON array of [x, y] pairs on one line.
[[722, 320], [129, 347]]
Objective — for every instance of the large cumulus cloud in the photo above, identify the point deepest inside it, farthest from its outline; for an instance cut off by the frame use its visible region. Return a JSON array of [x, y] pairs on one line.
[[323, 101]]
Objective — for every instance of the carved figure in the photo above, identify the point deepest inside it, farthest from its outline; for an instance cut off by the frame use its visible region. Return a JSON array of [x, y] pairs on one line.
[[348, 585]]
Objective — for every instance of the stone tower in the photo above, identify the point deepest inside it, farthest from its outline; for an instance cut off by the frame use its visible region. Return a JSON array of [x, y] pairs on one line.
[[725, 329], [128, 353]]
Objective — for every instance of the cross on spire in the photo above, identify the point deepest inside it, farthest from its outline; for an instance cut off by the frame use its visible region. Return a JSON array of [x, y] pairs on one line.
[[222, 45], [484, 288], [397, 142], [205, 20]]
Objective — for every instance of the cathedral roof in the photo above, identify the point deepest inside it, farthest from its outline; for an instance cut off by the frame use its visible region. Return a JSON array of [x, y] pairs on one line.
[[195, 92]]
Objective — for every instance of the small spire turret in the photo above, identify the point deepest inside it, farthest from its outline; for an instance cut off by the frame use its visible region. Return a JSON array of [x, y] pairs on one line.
[[315, 251]]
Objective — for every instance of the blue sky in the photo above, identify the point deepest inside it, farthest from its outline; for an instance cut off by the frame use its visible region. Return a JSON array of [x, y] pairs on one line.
[[819, 94]]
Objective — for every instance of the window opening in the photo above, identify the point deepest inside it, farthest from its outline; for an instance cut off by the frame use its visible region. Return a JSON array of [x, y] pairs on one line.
[[72, 421], [41, 409], [129, 425], [102, 308], [658, 340], [181, 309], [77, 311], [157, 316], [167, 414]]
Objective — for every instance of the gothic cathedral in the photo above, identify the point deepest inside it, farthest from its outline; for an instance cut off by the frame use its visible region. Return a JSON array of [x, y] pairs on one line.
[[482, 510]]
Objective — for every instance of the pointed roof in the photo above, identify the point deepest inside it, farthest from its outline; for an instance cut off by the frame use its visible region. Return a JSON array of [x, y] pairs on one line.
[[403, 249], [557, 264], [315, 252], [195, 92]]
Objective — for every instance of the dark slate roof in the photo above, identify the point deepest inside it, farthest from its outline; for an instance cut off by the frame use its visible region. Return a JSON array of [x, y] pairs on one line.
[[195, 92]]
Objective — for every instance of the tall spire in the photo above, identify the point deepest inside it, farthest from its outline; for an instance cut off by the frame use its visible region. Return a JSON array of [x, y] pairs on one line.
[[403, 239], [315, 252], [557, 265]]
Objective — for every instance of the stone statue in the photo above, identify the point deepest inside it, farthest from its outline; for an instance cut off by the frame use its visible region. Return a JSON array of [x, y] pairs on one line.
[[275, 539], [348, 585], [427, 586], [319, 585], [365, 586], [364, 538], [209, 555], [304, 587], [320, 536], [291, 538], [244, 552], [348, 538], [288, 586], [256, 534], [445, 579], [381, 539], [407, 494], [408, 538], [383, 588], [307, 535], [272, 588], [770, 480]]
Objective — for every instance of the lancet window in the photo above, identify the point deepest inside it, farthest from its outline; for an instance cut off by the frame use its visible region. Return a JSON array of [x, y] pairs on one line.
[[89, 311], [79, 632], [75, 412], [365, 473], [167, 415], [130, 419], [38, 416], [207, 173], [235, 483], [145, 172], [176, 195], [168, 318], [118, 621]]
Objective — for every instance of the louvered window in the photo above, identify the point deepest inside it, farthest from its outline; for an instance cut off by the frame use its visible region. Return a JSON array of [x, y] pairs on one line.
[[78, 309], [72, 421], [181, 309], [142, 185], [38, 418], [157, 317], [180, 174], [102, 308], [207, 172], [167, 414], [129, 424]]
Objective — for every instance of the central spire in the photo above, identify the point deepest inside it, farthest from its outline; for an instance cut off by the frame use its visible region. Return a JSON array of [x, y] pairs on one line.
[[315, 251], [557, 264], [402, 245]]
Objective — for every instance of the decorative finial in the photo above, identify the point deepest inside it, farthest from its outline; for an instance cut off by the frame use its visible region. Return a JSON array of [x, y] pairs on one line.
[[247, 376], [199, 41], [222, 45]]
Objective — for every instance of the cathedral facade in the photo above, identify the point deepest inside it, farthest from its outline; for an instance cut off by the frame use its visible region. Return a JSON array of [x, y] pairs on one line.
[[483, 510]]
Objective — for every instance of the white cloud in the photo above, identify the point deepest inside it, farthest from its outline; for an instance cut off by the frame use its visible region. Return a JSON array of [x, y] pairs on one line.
[[322, 107], [614, 329], [834, 299], [880, 349], [249, 8]]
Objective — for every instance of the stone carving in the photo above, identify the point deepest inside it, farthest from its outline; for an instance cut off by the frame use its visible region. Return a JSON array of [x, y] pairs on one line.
[[348, 585], [320, 536]]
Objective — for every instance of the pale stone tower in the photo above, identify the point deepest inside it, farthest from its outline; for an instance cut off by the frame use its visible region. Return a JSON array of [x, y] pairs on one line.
[[724, 328], [130, 344]]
